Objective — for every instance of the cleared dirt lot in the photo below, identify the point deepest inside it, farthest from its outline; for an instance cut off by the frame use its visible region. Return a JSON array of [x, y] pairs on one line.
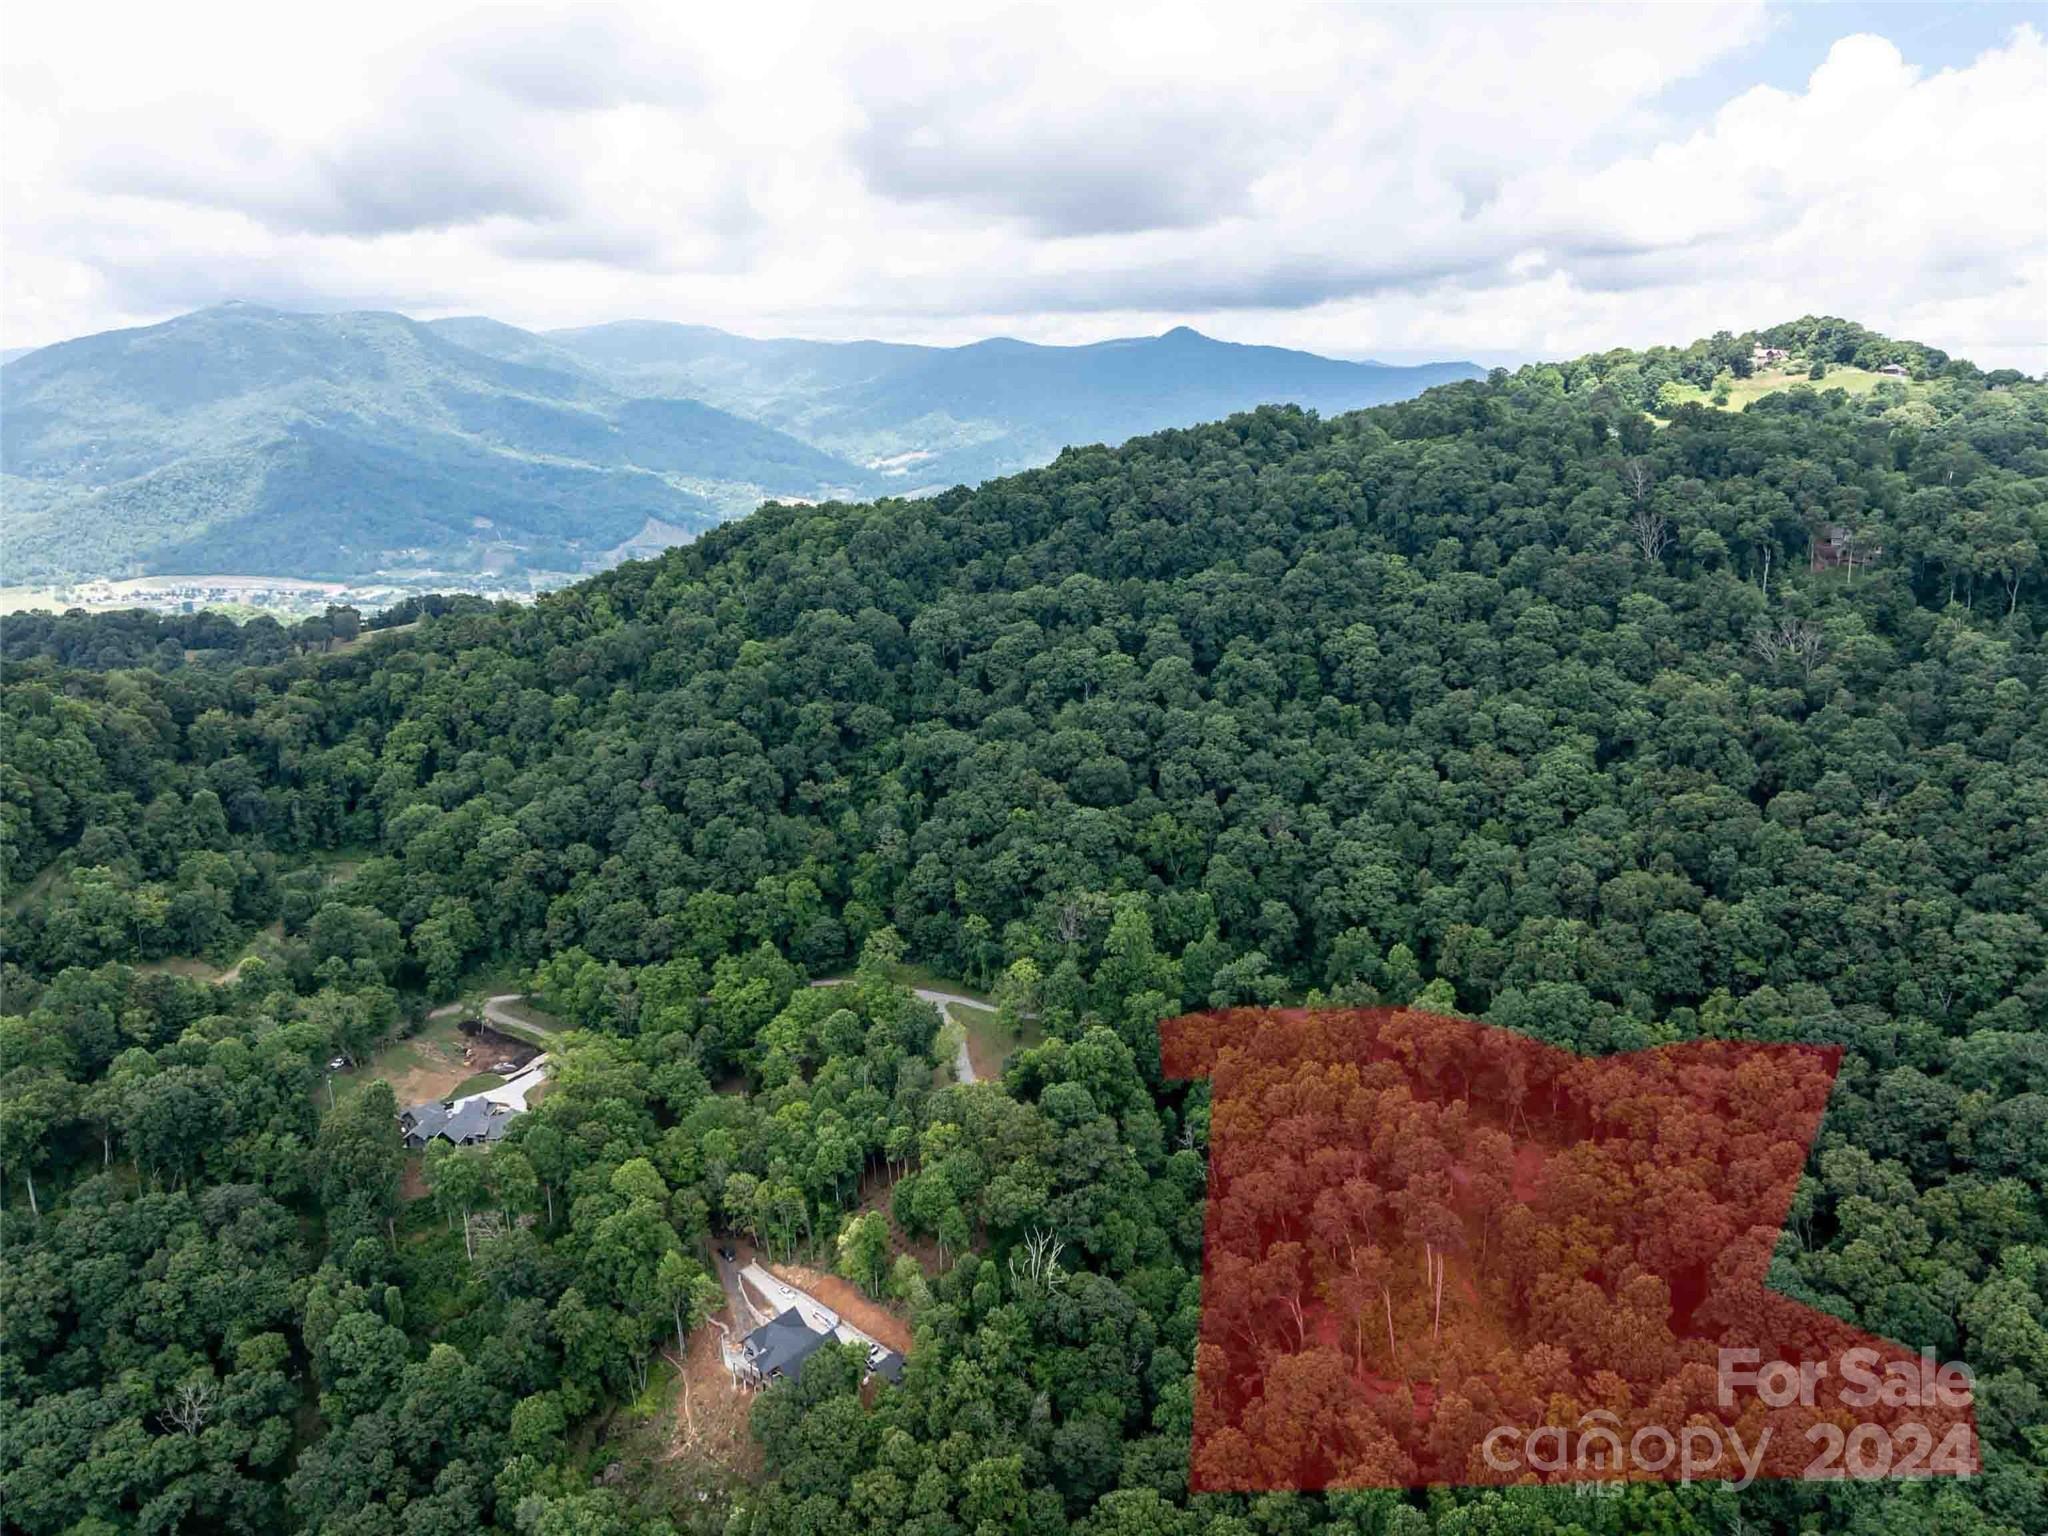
[[710, 1425], [870, 1317], [441, 1058]]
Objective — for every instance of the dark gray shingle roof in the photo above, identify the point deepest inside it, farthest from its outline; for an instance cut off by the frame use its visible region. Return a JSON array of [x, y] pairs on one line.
[[476, 1120], [783, 1344], [423, 1120], [470, 1122], [887, 1364]]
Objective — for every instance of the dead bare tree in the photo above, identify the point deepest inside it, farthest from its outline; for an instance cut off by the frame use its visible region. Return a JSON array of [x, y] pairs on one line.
[[481, 1228], [1041, 1256], [1073, 921], [1808, 647], [1652, 530], [1637, 478], [1791, 639], [190, 1407], [2013, 573], [638, 1362], [1299, 1316]]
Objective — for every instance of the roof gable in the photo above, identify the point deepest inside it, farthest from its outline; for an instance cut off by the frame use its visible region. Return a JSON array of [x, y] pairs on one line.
[[783, 1343]]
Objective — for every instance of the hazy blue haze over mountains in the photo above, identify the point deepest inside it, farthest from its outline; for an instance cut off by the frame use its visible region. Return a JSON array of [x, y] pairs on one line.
[[972, 412], [254, 441]]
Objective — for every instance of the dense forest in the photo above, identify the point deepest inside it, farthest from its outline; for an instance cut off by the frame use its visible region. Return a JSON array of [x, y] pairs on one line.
[[1513, 701]]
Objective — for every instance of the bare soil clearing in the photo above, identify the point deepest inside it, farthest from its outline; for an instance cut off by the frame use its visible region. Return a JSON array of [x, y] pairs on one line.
[[424, 1067], [877, 1193], [441, 1058], [412, 1181], [870, 1317], [37, 886], [187, 966], [710, 1424]]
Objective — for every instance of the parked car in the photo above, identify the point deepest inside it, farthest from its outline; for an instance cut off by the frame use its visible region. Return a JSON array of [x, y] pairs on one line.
[[725, 1252], [337, 1064]]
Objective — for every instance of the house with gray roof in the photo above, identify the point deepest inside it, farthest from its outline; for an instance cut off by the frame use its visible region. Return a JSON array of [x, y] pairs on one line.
[[885, 1363], [778, 1348], [462, 1122]]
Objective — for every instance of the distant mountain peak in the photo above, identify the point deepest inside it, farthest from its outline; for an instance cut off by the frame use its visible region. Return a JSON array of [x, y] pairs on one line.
[[284, 442]]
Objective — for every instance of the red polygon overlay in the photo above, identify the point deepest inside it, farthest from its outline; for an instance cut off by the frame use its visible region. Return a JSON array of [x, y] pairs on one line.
[[1442, 1253]]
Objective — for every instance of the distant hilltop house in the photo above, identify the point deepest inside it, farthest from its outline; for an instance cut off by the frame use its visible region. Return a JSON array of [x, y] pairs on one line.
[[476, 1119], [1834, 545], [1894, 371], [1761, 356]]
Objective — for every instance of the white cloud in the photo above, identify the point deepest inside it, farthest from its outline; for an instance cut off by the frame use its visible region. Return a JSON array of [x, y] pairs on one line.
[[1446, 181]]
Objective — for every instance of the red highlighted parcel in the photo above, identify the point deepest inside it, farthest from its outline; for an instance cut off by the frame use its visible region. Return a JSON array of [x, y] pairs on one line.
[[1441, 1253]]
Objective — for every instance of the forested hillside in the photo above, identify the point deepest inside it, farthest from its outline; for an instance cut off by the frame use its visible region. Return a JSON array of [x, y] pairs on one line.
[[1511, 699]]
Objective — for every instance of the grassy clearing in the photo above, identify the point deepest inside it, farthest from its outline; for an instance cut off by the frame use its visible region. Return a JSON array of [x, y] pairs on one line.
[[989, 1044], [520, 1020], [366, 636], [652, 1405], [190, 967], [422, 1066], [924, 976], [338, 865], [683, 1444], [493, 980], [525, 1013], [265, 944], [1769, 381], [477, 1084]]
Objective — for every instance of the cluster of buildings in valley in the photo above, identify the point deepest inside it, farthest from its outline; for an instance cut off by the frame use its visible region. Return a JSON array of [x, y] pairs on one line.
[[283, 597]]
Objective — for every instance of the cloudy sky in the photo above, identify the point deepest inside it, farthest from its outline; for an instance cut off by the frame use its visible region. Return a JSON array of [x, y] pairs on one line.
[[1396, 182]]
